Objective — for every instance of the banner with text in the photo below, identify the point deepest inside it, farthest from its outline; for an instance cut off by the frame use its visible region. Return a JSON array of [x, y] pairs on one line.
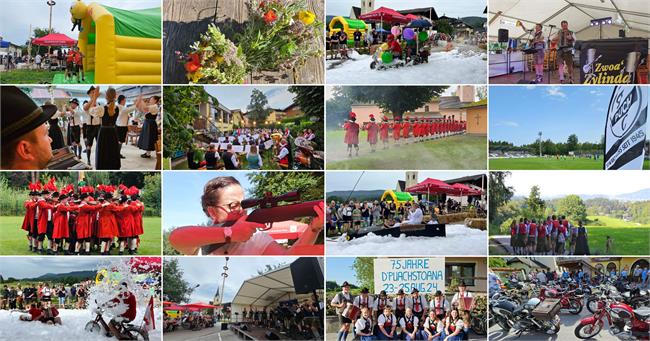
[[625, 128], [425, 274]]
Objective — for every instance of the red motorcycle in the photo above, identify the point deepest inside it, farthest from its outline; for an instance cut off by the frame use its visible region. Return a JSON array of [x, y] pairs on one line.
[[570, 301], [624, 322]]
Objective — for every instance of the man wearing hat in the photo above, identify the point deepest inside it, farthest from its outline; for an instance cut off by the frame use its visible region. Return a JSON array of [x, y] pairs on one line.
[[383, 131], [340, 302], [458, 301], [373, 131], [74, 115], [364, 300], [419, 305], [91, 123], [351, 138], [400, 303], [25, 139], [439, 305], [380, 303]]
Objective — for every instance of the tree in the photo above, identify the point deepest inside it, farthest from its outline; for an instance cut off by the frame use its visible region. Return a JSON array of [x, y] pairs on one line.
[[176, 288], [535, 203], [308, 184], [481, 92], [338, 108], [497, 262], [151, 193], [310, 99], [181, 109], [394, 100], [573, 208], [364, 268], [572, 143], [500, 194], [257, 109], [445, 27]]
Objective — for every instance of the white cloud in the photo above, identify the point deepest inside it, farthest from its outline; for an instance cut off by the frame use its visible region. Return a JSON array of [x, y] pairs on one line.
[[507, 123], [555, 91]]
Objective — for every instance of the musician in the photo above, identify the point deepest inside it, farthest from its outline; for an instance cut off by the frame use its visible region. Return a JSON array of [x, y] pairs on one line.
[[30, 221], [565, 39], [387, 323], [383, 131], [419, 305], [91, 123], [363, 326], [397, 128], [433, 327], [340, 302], [457, 300], [373, 130], [211, 157], [87, 211], [439, 305], [380, 303], [61, 232], [401, 302], [25, 139], [406, 130], [409, 324], [351, 138], [122, 123], [230, 158], [283, 154], [539, 45], [74, 116], [45, 217], [364, 300]]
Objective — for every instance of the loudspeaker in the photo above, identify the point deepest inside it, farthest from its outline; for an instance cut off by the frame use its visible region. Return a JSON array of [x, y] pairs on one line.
[[503, 35], [224, 326], [621, 33], [271, 336], [307, 275]]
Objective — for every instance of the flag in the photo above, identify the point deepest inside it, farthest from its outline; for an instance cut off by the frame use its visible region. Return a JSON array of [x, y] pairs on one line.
[[625, 128], [149, 316]]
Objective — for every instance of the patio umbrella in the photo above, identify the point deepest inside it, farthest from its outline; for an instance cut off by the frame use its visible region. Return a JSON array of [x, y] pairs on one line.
[[382, 14], [463, 190], [429, 186], [419, 23], [199, 305], [411, 16], [54, 39], [174, 307], [166, 303]]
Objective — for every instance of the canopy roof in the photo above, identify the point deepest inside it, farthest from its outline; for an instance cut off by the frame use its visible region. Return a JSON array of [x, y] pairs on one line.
[[430, 186], [338, 22], [634, 14], [384, 14], [463, 190], [199, 305], [143, 23], [54, 39], [266, 289], [174, 307], [397, 196]]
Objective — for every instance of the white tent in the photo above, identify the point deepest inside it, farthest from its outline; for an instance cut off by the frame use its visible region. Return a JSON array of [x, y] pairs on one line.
[[266, 289], [631, 15]]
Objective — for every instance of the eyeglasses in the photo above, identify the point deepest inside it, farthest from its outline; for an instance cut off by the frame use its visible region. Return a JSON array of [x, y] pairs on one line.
[[233, 206]]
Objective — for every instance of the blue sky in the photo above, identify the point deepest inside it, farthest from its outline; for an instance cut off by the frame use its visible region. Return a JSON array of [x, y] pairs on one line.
[[238, 97], [339, 269], [29, 267], [518, 113], [182, 195], [17, 15], [345, 180], [450, 8]]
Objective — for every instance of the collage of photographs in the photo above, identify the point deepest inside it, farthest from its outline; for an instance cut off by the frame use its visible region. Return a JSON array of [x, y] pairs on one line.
[[339, 170]]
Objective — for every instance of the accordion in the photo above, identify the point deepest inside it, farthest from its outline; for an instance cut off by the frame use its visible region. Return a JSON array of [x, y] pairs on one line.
[[465, 303], [64, 158]]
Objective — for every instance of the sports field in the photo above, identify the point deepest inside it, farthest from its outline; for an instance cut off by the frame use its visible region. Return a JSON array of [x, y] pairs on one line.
[[13, 240], [549, 163], [455, 152]]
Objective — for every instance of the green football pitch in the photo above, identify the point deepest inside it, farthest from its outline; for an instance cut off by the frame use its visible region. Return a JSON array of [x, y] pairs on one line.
[[549, 163]]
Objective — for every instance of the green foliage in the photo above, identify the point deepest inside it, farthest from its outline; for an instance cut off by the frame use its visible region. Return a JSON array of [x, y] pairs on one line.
[[500, 194], [309, 184], [534, 204], [176, 288], [393, 100], [258, 109], [151, 193], [338, 108], [549, 147], [496, 262], [168, 250], [573, 208], [180, 111], [310, 99], [572, 143], [443, 26], [364, 269]]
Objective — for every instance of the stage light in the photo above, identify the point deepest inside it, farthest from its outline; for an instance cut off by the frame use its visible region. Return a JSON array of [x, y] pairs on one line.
[[601, 21]]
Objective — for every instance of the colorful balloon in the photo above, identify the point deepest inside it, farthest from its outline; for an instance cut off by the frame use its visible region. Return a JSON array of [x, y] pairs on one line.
[[409, 34], [386, 57], [423, 36], [384, 47], [395, 30]]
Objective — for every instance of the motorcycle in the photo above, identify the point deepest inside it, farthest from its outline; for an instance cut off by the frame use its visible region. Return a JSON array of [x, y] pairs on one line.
[[635, 298], [624, 322], [570, 300], [520, 318], [121, 331]]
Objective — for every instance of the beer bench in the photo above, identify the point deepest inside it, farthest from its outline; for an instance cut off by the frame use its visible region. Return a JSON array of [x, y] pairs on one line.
[[241, 333]]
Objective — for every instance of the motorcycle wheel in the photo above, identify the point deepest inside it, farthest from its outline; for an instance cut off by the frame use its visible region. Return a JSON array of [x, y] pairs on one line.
[[478, 326], [556, 326], [93, 327], [186, 325], [136, 333], [587, 331], [503, 324], [592, 304], [639, 302], [575, 307]]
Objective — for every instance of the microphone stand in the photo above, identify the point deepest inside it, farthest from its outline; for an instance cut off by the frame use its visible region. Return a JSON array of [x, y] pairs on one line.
[[548, 46]]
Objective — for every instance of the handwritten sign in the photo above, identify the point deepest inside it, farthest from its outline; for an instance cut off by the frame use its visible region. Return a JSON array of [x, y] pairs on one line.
[[425, 274]]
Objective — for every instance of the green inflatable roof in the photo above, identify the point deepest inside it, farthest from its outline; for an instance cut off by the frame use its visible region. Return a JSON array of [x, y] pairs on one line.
[[143, 23], [353, 24], [403, 196]]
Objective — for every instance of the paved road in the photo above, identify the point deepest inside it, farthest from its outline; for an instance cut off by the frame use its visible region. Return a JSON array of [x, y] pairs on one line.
[[211, 334]]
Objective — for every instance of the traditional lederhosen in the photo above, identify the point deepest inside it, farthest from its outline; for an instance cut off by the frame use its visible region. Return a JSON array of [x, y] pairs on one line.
[[439, 308], [409, 325], [400, 307], [368, 325]]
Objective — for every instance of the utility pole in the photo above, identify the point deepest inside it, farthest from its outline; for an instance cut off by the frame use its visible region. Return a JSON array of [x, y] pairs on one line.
[[50, 3], [224, 274], [540, 143]]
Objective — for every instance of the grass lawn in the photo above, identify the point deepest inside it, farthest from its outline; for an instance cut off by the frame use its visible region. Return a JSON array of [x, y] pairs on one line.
[[456, 152], [549, 163], [599, 221], [14, 242], [627, 240], [27, 77]]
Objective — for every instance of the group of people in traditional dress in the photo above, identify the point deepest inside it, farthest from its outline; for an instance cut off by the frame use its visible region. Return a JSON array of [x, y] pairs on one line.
[[23, 295], [403, 317], [85, 220], [564, 41], [408, 130], [554, 235], [255, 143]]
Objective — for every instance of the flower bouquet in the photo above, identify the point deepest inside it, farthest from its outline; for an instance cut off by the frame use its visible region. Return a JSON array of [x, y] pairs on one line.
[[279, 35]]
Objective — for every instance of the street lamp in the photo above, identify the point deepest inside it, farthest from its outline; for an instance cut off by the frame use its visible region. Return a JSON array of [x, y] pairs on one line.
[[540, 143]]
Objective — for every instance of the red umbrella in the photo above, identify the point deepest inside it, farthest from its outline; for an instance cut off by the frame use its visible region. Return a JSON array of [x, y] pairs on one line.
[[199, 305], [166, 303], [174, 307], [54, 39], [411, 17], [429, 186], [382, 14], [463, 190]]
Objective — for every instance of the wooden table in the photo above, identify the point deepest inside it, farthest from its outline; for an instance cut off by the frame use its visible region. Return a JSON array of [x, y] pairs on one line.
[[184, 21]]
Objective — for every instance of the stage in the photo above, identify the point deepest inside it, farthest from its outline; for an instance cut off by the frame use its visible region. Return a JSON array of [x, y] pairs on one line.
[[513, 78], [256, 333]]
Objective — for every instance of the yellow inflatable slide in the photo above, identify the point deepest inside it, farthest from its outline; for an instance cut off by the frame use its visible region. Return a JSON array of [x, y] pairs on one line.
[[120, 46]]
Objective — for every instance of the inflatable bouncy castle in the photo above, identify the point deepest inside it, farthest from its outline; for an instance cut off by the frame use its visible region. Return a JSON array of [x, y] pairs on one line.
[[120, 46], [348, 26]]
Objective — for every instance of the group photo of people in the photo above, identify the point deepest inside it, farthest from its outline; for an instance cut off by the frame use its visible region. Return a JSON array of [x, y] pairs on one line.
[[449, 308], [80, 213], [269, 128], [245, 298], [82, 128], [84, 298]]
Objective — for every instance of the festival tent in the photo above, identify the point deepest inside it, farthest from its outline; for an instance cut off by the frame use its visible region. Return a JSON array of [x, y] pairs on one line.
[[266, 289], [399, 198], [631, 15], [120, 46], [175, 307], [44, 93], [54, 39], [430, 186], [411, 17], [199, 305], [463, 190], [383, 14]]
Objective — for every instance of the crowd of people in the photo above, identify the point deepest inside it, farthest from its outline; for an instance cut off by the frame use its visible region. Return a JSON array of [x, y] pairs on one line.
[[403, 131], [418, 316], [355, 215], [260, 148], [554, 235], [89, 219]]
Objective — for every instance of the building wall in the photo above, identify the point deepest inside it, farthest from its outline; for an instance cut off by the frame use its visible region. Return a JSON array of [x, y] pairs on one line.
[[477, 120], [480, 271], [294, 111], [619, 262]]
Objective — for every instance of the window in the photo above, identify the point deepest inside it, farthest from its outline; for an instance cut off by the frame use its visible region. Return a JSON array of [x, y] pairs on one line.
[[460, 271], [426, 108], [611, 267]]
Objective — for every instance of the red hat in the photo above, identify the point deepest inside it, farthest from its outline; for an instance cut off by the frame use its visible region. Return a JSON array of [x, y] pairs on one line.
[[352, 115], [372, 117], [390, 37], [384, 118], [51, 186]]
